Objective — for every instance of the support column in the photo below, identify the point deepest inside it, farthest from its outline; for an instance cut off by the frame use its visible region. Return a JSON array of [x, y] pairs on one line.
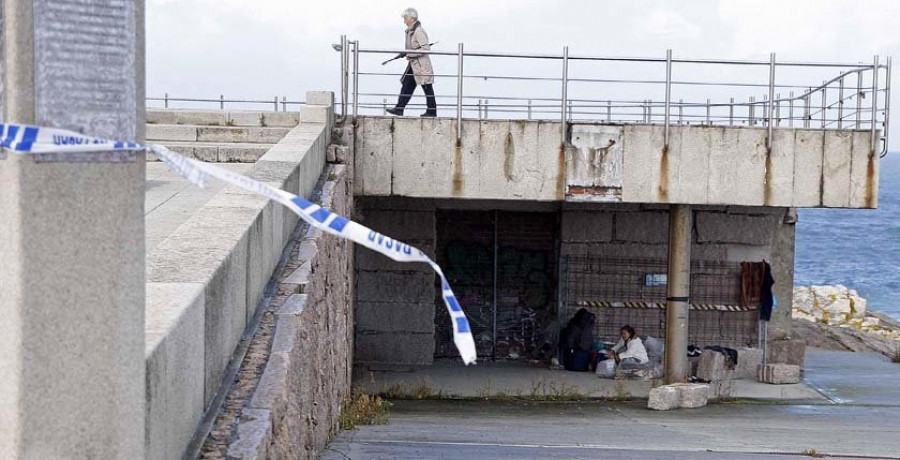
[[72, 235], [678, 293]]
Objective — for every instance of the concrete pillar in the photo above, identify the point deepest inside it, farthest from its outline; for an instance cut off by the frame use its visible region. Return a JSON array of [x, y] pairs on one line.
[[678, 293], [72, 236]]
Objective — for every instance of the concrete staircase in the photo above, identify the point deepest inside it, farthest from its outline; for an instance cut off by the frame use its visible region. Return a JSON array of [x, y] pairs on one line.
[[218, 135]]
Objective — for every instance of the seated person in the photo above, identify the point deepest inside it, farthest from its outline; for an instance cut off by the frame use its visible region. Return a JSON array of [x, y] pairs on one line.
[[629, 349]]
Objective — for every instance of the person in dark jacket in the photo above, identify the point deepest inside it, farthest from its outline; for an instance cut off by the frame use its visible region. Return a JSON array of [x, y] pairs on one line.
[[576, 340], [419, 71]]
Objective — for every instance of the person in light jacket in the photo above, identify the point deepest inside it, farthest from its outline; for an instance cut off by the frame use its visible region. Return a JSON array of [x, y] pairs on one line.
[[419, 71], [629, 349]]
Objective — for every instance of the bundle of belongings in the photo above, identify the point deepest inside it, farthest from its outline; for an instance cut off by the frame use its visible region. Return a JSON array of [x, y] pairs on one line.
[[576, 340]]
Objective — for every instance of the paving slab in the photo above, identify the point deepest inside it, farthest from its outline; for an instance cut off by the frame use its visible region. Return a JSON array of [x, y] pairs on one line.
[[171, 200], [854, 378]]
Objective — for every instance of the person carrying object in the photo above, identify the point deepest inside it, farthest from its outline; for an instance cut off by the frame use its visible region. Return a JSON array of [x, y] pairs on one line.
[[418, 70]]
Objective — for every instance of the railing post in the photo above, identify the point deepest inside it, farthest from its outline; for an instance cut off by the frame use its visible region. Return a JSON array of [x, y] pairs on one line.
[[859, 92], [791, 109], [345, 76], [459, 93], [529, 109], [731, 112], [609, 111], [570, 111], [355, 80], [384, 106], [824, 104], [841, 103], [771, 125], [680, 111], [874, 103], [276, 103], [751, 109], [284, 103], [778, 109], [222, 102], [886, 134], [166, 99], [708, 120], [486, 109], [479, 109], [668, 99], [649, 110], [807, 116], [564, 97]]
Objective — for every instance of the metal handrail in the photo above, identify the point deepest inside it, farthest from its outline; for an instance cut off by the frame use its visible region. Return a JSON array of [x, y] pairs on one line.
[[767, 111], [166, 99]]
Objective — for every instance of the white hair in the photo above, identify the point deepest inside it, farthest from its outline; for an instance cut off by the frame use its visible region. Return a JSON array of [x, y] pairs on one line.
[[410, 13]]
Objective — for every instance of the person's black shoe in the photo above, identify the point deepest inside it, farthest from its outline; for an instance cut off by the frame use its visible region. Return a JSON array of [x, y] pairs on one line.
[[395, 111], [429, 114]]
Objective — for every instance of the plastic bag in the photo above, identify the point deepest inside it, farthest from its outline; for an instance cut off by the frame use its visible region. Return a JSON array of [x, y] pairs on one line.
[[606, 368]]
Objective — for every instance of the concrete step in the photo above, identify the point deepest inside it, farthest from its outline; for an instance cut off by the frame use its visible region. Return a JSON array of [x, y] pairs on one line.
[[199, 133], [259, 118], [239, 152]]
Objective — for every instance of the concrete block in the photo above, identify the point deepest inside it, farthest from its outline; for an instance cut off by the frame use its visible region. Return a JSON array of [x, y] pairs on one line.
[[314, 114], [779, 189], [836, 169], [713, 227], [186, 117], [245, 118], [254, 433], [250, 134], [642, 164], [711, 367], [242, 152], [663, 398], [415, 317], [320, 98], [692, 395], [779, 374], [394, 348], [175, 366], [374, 158], [791, 351], [737, 166], [343, 155], [419, 169], [172, 133], [405, 287], [808, 160], [280, 119], [749, 360], [587, 227], [208, 153], [863, 172], [722, 388], [642, 227], [684, 176]]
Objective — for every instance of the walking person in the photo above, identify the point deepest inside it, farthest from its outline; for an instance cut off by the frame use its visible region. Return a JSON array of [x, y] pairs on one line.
[[418, 71]]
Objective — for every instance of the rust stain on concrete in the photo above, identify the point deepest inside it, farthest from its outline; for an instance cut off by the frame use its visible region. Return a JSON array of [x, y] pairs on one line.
[[457, 181], [870, 182], [509, 153], [663, 191], [561, 172], [767, 184]]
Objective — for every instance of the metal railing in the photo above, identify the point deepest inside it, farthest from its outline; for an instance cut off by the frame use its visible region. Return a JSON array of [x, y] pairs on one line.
[[219, 103], [851, 96]]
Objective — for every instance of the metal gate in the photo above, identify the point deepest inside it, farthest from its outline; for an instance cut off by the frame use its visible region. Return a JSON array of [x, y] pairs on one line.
[[502, 266]]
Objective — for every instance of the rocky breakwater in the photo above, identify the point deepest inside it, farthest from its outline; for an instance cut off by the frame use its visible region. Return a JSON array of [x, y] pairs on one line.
[[836, 318]]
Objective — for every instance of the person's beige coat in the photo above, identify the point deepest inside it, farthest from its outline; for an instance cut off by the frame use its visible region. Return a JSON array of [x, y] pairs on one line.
[[417, 39]]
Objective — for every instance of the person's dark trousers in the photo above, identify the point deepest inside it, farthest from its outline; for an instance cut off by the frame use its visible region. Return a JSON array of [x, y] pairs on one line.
[[406, 92]]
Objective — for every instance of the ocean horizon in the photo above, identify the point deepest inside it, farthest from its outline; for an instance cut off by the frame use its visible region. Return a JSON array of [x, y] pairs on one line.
[[859, 248]]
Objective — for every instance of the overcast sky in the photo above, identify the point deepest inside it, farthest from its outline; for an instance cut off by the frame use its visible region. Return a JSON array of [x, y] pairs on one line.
[[264, 48]]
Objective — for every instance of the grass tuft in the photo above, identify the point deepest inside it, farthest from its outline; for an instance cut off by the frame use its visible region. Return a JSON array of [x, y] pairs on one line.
[[363, 409]]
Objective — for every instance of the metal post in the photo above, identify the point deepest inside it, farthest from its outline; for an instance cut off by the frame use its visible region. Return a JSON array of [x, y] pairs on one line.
[[609, 111], [678, 293], [886, 134], [841, 103], [707, 112], [479, 109], [791, 109], [771, 125], [668, 97], [874, 104], [649, 110], [564, 96], [222, 102], [496, 256], [276, 103], [731, 112], [166, 99], [778, 110], [355, 79], [680, 111], [486, 109], [807, 117], [529, 109], [859, 93], [384, 106], [459, 93], [751, 108], [570, 111], [345, 63], [824, 104]]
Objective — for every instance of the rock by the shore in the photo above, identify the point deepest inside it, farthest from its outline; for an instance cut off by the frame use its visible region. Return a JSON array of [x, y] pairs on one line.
[[837, 318]]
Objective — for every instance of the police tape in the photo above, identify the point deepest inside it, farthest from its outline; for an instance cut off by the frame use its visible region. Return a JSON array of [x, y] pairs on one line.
[[23, 139]]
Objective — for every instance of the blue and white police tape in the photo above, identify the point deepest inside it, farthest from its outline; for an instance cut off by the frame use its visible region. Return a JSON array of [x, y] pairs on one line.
[[23, 139]]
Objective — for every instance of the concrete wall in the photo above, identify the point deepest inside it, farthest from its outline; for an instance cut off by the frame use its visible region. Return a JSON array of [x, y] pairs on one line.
[[395, 302], [523, 160], [204, 283], [294, 410]]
